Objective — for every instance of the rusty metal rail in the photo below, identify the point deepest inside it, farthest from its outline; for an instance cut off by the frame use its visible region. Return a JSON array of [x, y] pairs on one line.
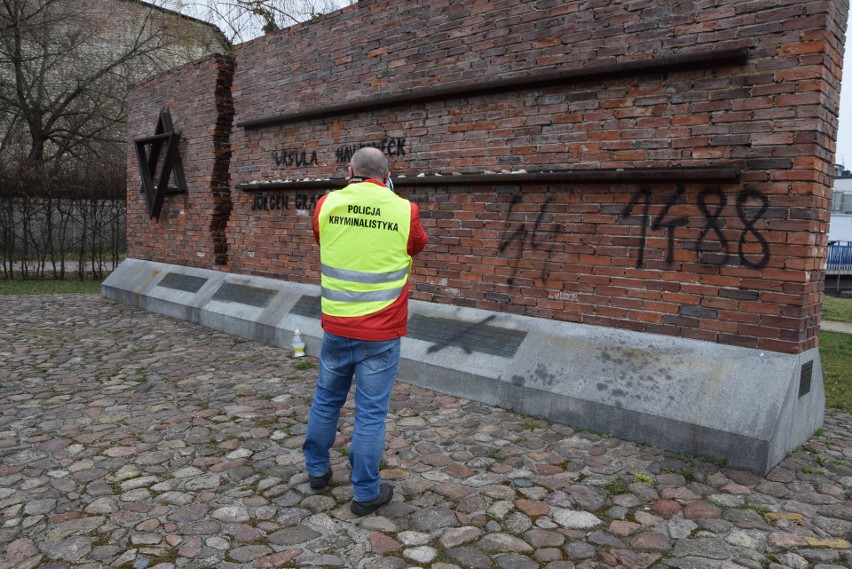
[[678, 62]]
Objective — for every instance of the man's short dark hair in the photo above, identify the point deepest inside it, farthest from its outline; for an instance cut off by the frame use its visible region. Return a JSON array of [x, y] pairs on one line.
[[369, 162]]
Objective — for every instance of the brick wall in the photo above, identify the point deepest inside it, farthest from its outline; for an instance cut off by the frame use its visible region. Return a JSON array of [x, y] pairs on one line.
[[191, 227], [611, 88]]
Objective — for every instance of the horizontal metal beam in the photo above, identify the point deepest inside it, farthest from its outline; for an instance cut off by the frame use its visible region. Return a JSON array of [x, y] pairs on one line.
[[692, 60], [600, 176]]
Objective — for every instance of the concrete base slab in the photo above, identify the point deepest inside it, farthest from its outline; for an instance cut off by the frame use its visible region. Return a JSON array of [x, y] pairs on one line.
[[748, 407]]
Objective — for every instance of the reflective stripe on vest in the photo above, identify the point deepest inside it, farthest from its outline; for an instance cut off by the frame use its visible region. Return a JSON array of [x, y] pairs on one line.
[[362, 277], [363, 239], [373, 296]]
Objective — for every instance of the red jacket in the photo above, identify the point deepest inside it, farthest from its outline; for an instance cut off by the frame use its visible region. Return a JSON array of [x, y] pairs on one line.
[[392, 321]]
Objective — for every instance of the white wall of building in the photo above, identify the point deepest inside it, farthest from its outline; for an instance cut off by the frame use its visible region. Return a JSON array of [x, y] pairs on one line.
[[840, 227]]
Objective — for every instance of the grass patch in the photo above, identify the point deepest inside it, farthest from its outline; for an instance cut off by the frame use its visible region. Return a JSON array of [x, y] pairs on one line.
[[303, 365], [811, 470], [759, 508], [835, 351], [443, 557], [49, 286], [836, 354], [616, 487], [639, 477], [836, 308], [688, 474]]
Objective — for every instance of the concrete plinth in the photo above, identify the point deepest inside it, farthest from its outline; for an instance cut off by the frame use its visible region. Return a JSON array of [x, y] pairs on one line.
[[746, 406]]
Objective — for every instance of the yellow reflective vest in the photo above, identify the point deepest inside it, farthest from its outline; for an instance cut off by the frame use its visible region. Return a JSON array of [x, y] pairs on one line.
[[363, 249]]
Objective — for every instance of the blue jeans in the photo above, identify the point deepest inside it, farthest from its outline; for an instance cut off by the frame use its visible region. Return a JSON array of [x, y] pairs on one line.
[[374, 366]]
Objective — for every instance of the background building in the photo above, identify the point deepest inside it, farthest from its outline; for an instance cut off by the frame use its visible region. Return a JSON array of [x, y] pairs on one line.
[[840, 227], [838, 269], [65, 70]]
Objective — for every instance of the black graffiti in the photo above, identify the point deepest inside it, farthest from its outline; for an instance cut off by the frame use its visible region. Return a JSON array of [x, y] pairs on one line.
[[672, 224], [742, 199], [461, 338], [644, 194], [281, 201], [524, 238], [394, 146], [712, 224], [712, 218], [294, 158]]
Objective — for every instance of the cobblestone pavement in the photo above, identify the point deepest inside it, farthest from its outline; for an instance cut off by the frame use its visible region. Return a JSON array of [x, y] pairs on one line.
[[131, 440]]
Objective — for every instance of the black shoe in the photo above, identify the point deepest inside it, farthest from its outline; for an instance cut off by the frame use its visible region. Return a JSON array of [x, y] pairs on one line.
[[319, 482], [364, 508]]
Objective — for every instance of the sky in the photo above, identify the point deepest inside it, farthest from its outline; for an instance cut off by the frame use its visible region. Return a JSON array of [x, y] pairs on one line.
[[844, 131]]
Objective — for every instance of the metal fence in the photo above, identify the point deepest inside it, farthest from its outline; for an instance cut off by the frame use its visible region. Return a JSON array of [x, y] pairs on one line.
[[53, 238], [839, 258]]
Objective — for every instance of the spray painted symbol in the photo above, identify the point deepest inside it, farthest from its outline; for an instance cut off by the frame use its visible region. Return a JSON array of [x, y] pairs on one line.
[[523, 237]]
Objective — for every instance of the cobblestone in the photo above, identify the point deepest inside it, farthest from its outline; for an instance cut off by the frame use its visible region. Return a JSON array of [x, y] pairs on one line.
[[129, 439]]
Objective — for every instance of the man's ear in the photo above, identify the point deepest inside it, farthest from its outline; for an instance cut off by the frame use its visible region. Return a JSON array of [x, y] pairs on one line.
[[349, 172]]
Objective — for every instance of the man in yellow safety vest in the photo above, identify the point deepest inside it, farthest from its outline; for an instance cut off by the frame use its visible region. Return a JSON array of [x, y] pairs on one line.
[[367, 237]]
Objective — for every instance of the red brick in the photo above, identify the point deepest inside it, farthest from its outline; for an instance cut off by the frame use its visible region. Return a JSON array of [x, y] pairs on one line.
[[772, 113]]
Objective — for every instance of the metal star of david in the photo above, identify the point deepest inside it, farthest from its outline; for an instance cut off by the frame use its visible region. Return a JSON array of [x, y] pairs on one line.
[[164, 136]]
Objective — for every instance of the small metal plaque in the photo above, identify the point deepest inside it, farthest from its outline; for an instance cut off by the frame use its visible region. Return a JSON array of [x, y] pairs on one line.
[[308, 306], [186, 283], [805, 378], [251, 295], [469, 336]]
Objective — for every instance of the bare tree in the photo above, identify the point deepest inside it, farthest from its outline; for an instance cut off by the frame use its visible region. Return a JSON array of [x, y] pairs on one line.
[[243, 20], [64, 70], [65, 67]]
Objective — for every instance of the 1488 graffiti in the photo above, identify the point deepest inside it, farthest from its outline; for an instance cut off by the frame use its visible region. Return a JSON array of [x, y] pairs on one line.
[[711, 202]]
